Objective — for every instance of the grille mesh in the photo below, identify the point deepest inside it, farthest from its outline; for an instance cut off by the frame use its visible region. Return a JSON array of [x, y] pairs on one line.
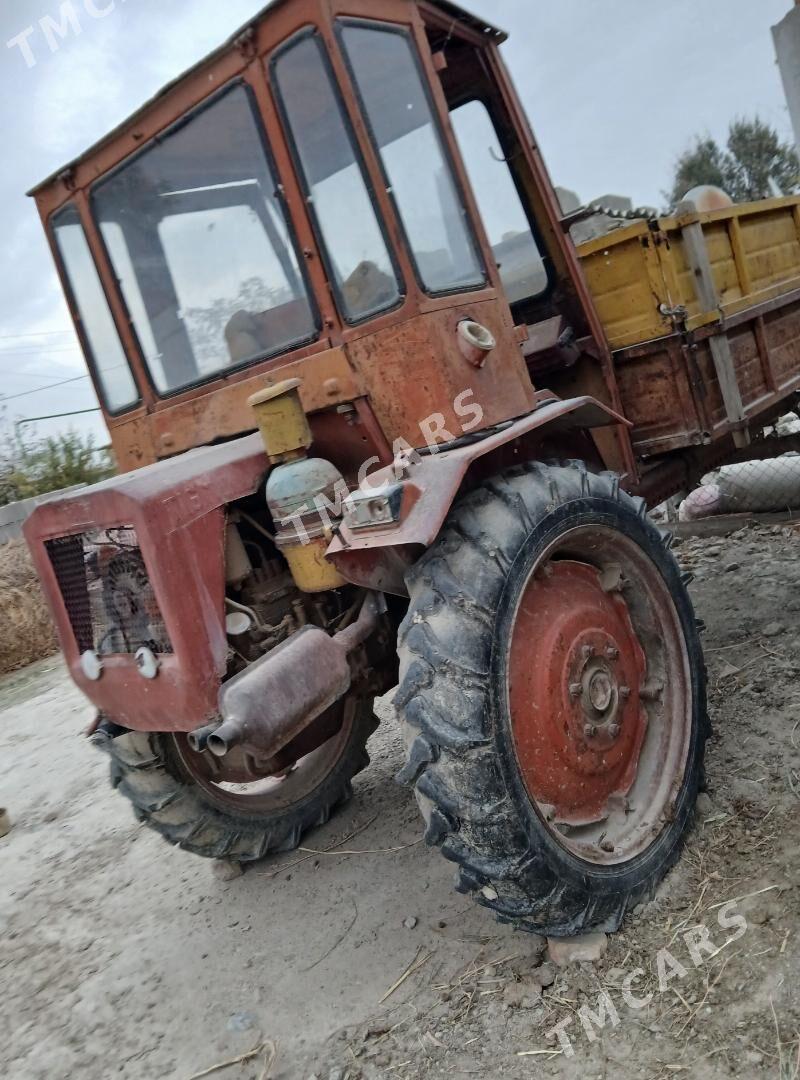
[[108, 596]]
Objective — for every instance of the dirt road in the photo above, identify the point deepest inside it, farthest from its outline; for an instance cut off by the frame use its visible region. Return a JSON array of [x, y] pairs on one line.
[[121, 957]]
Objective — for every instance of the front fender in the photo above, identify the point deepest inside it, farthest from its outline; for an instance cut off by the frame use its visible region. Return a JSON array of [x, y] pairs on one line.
[[432, 485]]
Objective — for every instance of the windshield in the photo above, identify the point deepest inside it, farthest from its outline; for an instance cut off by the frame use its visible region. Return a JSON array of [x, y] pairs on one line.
[[201, 247]]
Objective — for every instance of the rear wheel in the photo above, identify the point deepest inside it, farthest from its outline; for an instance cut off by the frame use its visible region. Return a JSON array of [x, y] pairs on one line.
[[553, 695], [223, 808]]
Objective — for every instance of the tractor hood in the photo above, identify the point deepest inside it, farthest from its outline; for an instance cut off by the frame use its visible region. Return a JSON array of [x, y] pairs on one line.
[[138, 562]]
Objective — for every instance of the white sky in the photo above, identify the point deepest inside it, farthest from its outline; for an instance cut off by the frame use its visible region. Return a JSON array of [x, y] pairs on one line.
[[615, 91]]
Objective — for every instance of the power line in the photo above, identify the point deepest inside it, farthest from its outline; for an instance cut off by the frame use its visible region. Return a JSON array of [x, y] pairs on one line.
[[40, 333], [39, 389], [33, 375], [4, 351], [54, 416]]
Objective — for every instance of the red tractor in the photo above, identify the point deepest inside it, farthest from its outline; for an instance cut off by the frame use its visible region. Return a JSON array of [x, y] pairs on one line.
[[367, 415]]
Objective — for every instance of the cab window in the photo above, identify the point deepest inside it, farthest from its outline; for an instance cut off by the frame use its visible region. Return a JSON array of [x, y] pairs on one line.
[[352, 239], [98, 330], [202, 248], [522, 268], [418, 169]]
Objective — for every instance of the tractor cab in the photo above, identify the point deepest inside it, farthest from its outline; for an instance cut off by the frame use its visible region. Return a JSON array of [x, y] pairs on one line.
[[344, 193]]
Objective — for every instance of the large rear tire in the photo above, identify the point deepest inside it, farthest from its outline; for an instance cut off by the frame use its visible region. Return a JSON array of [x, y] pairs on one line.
[[553, 698], [175, 791]]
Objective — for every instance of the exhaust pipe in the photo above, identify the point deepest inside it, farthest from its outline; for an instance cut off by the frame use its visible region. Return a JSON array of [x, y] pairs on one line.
[[198, 739], [279, 695]]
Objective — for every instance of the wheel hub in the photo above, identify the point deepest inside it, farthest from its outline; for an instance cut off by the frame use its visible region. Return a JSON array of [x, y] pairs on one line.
[[598, 688], [575, 668]]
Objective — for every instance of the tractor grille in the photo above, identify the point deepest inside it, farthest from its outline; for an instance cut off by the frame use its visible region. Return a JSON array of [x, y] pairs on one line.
[[108, 596]]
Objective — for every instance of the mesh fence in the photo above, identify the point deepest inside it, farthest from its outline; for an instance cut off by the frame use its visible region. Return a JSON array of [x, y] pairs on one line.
[[766, 484]]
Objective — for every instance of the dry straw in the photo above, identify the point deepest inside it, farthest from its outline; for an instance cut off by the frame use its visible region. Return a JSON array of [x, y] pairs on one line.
[[26, 631]]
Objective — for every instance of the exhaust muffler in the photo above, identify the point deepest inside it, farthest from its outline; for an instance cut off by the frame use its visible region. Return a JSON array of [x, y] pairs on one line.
[[277, 697]]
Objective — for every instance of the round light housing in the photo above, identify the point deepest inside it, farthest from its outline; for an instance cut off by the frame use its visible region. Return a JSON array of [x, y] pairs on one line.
[[91, 665], [147, 663], [475, 341]]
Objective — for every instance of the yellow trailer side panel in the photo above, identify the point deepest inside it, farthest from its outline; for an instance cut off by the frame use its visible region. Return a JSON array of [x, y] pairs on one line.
[[642, 271]]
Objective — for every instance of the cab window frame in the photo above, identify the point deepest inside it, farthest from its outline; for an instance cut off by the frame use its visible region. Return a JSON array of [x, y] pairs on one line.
[[313, 33], [472, 234], [78, 319], [223, 374], [528, 210]]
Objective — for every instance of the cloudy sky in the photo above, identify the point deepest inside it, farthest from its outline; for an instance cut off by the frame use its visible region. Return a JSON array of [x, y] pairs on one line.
[[614, 90]]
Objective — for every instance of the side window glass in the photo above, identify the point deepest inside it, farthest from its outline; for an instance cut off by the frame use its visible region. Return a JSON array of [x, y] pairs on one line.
[[521, 264], [100, 333]]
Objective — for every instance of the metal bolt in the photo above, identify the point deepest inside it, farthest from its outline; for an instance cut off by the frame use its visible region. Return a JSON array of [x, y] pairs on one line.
[[612, 653], [624, 691], [614, 730], [575, 689], [651, 691], [590, 731], [587, 652]]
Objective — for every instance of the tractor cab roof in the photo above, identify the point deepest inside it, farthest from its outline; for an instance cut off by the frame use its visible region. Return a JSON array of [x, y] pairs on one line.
[[458, 14]]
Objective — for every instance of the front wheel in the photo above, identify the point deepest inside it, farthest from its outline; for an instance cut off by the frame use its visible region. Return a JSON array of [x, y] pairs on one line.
[[553, 697], [223, 808]]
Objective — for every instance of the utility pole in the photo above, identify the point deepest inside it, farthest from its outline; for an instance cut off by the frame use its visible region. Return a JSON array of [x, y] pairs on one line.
[[787, 47]]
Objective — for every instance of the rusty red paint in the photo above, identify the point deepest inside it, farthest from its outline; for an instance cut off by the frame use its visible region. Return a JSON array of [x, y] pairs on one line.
[[575, 668], [177, 509], [434, 481], [596, 697]]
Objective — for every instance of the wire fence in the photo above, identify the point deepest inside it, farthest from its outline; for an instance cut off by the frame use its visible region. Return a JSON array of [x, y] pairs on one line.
[[759, 486]]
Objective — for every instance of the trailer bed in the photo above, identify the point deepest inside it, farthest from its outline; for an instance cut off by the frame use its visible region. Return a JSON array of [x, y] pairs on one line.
[[702, 313]]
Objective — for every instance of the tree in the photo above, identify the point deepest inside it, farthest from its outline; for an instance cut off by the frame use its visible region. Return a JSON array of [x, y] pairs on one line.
[[757, 159], [37, 466], [702, 163], [755, 164]]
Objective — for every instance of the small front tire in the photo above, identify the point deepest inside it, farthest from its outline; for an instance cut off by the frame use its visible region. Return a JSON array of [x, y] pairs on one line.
[[173, 791]]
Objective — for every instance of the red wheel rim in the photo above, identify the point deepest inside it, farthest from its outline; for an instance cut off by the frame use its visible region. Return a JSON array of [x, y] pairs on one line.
[[598, 695]]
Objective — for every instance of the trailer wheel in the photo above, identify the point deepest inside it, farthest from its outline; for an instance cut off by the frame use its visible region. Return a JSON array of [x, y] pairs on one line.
[[232, 814], [553, 698]]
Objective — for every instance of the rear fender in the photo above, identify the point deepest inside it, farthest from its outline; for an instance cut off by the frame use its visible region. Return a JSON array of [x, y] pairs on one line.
[[377, 558]]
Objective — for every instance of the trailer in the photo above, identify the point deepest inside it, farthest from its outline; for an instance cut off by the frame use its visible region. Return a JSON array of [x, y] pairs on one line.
[[702, 314]]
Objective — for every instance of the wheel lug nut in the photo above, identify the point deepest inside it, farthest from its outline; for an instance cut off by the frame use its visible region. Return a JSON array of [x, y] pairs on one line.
[[612, 653], [575, 689], [590, 731], [624, 691], [651, 691], [587, 652], [614, 730]]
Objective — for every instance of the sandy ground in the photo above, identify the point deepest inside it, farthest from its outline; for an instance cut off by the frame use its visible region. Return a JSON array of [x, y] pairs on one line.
[[121, 957]]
